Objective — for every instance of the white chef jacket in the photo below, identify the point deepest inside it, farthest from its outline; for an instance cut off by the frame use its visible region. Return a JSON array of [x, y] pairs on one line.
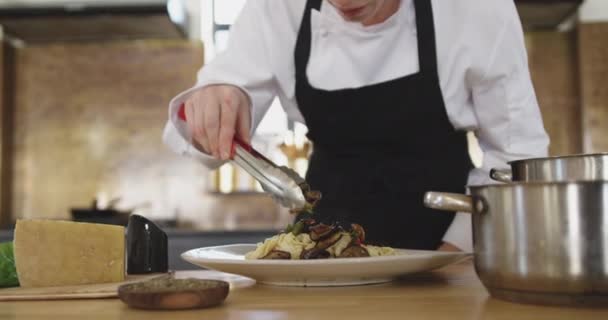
[[482, 62]]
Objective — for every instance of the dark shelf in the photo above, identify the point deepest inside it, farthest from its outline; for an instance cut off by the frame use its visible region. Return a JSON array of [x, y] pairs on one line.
[[89, 23], [88, 10], [546, 14]]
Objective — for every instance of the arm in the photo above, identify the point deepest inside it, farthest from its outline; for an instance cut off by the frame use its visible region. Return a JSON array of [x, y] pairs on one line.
[[510, 125], [246, 68]]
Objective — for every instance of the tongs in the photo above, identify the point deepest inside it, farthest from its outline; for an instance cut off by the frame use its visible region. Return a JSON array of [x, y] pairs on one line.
[[282, 183]]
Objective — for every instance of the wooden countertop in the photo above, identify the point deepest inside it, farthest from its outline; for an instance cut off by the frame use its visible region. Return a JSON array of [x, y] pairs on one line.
[[453, 292]]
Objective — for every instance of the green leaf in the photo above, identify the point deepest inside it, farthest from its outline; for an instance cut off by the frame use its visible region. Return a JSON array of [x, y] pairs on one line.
[[298, 228], [8, 272], [289, 228]]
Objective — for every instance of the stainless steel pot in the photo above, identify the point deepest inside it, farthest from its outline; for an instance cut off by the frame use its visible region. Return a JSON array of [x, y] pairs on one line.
[[538, 242], [564, 168]]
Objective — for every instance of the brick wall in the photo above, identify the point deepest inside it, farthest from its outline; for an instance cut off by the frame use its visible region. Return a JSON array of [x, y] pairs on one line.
[[88, 121], [593, 60], [554, 69]]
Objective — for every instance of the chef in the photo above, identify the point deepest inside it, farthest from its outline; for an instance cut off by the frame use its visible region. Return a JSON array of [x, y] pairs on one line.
[[388, 90]]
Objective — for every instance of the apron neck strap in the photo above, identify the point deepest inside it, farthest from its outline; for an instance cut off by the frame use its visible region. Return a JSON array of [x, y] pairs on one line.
[[425, 25], [302, 52]]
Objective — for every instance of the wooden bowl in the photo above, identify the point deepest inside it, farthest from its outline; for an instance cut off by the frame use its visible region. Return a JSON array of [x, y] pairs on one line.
[[168, 293]]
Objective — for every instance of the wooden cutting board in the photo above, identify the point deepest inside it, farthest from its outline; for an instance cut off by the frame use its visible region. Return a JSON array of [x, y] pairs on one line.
[[89, 291]]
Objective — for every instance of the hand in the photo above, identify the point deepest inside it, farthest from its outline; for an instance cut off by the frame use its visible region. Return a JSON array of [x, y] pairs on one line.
[[448, 247], [214, 115]]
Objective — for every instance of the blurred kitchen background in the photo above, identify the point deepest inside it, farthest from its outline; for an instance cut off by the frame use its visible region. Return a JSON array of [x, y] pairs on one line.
[[84, 89]]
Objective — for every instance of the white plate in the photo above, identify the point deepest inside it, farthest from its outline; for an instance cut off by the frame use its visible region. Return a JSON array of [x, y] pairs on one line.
[[323, 272]]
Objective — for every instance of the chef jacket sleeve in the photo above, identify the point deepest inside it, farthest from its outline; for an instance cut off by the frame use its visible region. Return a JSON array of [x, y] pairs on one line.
[[509, 126], [245, 64]]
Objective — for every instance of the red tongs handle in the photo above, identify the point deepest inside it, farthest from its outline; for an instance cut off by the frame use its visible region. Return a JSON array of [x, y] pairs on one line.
[[181, 113]]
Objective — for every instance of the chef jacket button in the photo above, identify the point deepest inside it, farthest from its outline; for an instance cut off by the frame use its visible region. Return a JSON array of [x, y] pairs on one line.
[[324, 32]]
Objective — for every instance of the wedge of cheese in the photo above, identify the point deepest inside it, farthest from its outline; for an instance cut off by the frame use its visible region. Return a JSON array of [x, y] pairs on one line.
[[59, 253]]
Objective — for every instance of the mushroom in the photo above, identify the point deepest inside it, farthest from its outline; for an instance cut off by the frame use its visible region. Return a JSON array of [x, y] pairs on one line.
[[321, 231], [359, 232], [314, 253], [329, 241], [277, 255], [312, 197], [354, 252]]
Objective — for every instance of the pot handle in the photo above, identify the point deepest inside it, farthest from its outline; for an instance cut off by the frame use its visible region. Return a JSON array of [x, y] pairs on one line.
[[448, 201], [501, 175]]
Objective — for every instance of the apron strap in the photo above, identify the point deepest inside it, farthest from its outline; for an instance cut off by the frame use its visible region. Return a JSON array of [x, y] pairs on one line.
[[427, 48], [425, 25], [302, 51]]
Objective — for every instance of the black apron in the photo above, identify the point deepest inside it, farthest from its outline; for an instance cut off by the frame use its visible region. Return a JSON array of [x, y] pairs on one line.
[[378, 148]]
